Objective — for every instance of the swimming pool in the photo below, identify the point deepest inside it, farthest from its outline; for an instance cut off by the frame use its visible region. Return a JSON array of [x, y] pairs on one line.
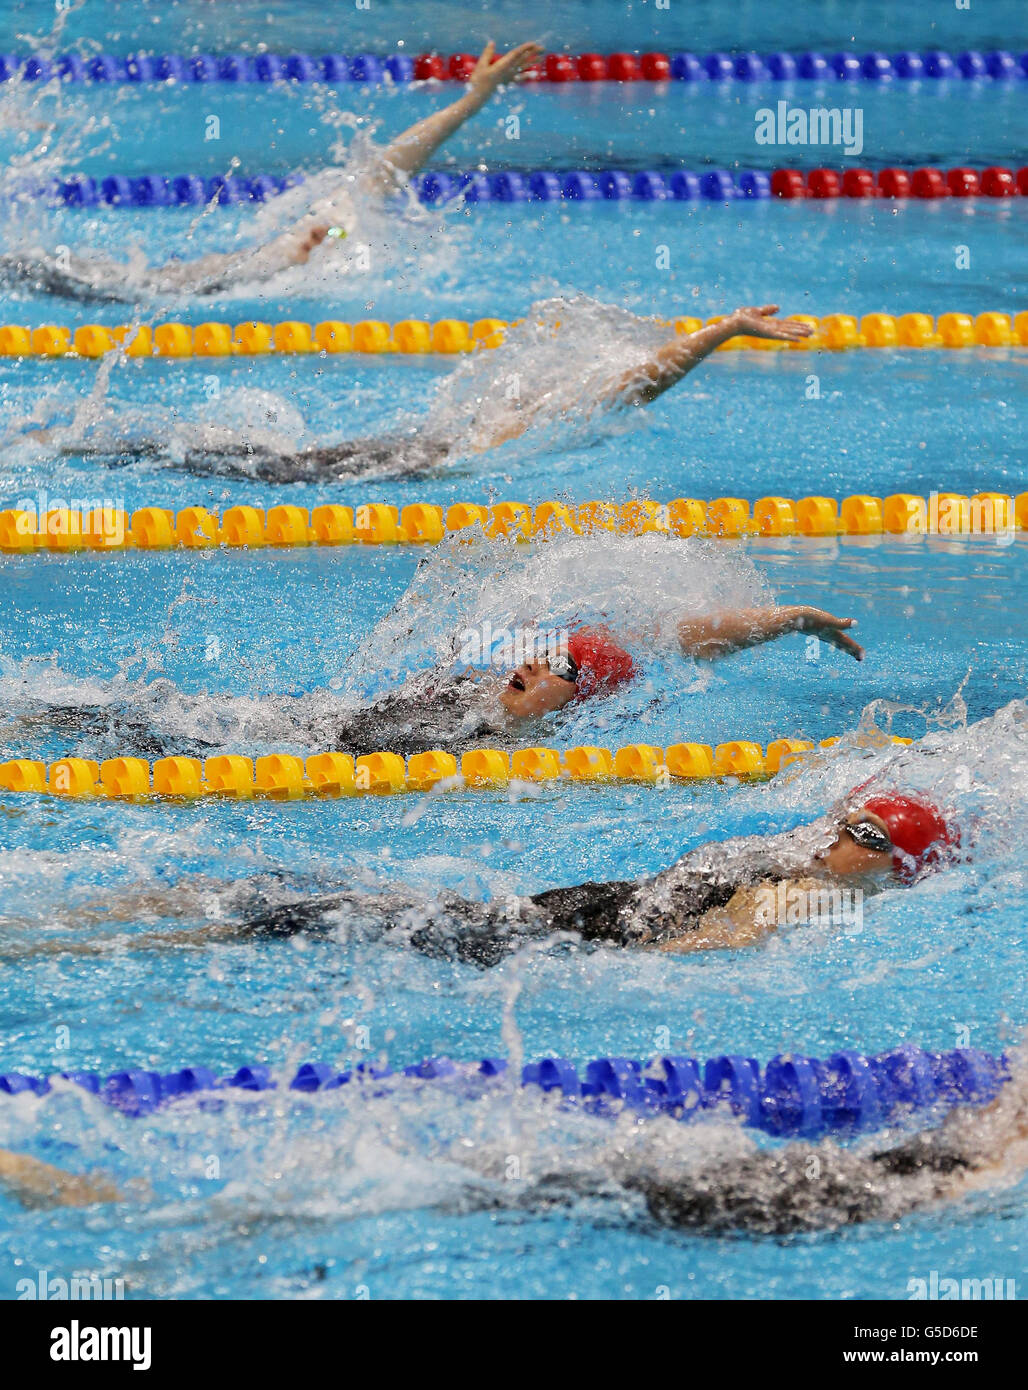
[[350, 1193]]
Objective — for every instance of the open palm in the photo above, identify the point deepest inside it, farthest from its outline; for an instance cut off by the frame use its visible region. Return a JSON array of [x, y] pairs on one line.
[[491, 72], [761, 323]]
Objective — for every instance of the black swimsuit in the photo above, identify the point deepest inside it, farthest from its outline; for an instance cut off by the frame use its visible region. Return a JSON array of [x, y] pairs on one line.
[[402, 722], [619, 913], [385, 456], [772, 1193]]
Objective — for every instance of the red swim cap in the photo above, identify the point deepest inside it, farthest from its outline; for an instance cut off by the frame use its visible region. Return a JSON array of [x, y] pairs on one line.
[[918, 830], [601, 663]]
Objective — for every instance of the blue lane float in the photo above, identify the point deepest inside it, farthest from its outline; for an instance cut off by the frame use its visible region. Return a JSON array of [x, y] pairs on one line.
[[106, 68], [507, 186], [792, 1096]]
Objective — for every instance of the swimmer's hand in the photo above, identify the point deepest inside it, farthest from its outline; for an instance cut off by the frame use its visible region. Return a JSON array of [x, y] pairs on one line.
[[826, 627], [490, 72], [761, 323]]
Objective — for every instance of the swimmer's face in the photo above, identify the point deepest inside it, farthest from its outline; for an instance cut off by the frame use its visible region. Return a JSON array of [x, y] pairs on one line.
[[533, 689], [863, 846]]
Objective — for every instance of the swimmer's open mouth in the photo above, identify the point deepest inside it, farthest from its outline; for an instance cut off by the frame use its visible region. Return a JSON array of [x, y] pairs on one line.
[[516, 683]]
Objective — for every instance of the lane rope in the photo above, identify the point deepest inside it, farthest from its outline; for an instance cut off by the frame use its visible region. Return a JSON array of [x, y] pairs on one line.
[[285, 776], [90, 527], [792, 1095], [835, 332], [718, 67], [552, 185]]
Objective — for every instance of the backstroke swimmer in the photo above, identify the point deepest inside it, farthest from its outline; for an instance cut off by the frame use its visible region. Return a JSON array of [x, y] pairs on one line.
[[721, 896], [764, 1192], [419, 451], [97, 278], [456, 711]]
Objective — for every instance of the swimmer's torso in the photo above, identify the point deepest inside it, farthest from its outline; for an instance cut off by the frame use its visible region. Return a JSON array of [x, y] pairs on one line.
[[647, 913]]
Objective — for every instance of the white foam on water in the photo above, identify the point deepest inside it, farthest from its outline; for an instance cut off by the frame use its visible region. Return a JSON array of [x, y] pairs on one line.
[[637, 586]]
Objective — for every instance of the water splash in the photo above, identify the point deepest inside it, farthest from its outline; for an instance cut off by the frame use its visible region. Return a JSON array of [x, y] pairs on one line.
[[549, 378], [390, 239], [637, 586], [549, 375], [108, 427]]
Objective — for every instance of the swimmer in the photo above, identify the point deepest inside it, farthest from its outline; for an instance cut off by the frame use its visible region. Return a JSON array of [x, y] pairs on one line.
[[717, 897], [458, 712], [419, 452], [771, 1192], [97, 278], [721, 896], [452, 712], [34, 1183]]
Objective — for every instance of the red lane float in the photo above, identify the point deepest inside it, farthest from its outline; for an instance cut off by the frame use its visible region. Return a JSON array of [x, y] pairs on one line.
[[995, 182], [999, 183], [929, 183], [859, 183], [592, 67], [824, 183], [623, 67], [788, 183]]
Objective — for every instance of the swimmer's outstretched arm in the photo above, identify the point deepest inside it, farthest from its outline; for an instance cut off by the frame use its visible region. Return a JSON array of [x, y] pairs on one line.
[[409, 152], [672, 362], [404, 156], [718, 634], [678, 357], [35, 1183]]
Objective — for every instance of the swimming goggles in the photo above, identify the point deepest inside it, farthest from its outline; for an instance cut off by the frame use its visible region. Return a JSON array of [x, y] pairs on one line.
[[565, 666], [868, 835]]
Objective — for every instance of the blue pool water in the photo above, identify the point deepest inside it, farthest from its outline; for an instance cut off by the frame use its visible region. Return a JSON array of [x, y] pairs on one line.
[[350, 1194]]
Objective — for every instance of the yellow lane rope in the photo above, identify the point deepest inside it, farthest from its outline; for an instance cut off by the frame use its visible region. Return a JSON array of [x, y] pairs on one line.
[[92, 527], [285, 777], [833, 331]]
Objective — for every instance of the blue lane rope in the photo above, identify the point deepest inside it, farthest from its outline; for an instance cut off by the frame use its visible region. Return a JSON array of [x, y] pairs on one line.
[[543, 185], [793, 1095], [997, 64]]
